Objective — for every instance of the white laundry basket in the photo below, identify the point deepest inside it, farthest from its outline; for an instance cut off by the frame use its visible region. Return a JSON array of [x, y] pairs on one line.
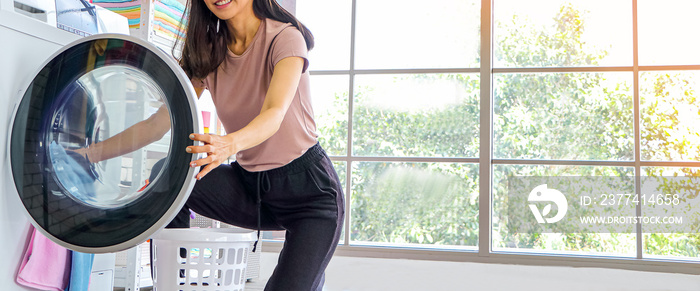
[[200, 259]]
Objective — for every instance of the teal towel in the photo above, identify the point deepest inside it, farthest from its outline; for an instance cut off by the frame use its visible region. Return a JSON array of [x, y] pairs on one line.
[[81, 268], [173, 3]]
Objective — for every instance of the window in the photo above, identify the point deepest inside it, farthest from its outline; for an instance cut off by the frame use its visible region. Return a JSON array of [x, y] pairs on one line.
[[593, 88], [400, 111]]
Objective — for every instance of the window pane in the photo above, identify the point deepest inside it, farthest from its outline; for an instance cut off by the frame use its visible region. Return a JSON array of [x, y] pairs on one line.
[[555, 33], [329, 21], [507, 237], [429, 115], [672, 240], [424, 204], [330, 103], [569, 116], [669, 115], [417, 34], [668, 32]]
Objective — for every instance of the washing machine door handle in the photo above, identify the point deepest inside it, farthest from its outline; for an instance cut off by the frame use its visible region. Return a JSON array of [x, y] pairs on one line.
[[97, 92]]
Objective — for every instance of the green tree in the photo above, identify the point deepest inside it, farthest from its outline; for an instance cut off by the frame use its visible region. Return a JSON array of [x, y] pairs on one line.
[[668, 108], [568, 116]]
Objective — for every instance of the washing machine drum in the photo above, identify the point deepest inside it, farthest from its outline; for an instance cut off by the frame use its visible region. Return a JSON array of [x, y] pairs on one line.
[[131, 106]]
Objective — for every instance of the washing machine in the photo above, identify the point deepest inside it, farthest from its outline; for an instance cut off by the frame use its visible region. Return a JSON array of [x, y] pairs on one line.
[[61, 93]]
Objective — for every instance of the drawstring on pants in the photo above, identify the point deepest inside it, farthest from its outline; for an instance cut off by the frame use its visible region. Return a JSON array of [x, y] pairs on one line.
[[264, 185]]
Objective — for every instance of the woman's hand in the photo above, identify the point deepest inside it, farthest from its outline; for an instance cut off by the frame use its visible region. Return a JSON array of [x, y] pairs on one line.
[[83, 152], [218, 149]]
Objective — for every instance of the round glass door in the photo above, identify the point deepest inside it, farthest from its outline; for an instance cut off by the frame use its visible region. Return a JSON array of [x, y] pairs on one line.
[[97, 144]]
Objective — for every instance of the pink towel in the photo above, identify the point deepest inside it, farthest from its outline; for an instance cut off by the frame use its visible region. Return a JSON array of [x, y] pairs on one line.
[[45, 265]]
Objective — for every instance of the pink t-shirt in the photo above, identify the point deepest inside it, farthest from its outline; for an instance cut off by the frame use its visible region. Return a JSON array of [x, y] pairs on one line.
[[238, 89]]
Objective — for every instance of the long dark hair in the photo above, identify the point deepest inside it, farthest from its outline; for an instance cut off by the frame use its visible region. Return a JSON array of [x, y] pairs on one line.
[[204, 49]]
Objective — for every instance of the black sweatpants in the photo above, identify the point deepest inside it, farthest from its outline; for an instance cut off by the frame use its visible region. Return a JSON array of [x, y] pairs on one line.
[[304, 198]]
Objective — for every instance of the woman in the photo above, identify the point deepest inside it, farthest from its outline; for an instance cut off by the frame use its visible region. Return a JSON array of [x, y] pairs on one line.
[[251, 56]]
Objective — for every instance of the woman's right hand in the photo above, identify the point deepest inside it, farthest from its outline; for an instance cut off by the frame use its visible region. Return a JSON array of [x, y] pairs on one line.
[[83, 152], [217, 147]]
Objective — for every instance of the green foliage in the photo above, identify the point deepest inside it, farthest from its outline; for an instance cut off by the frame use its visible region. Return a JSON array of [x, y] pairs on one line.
[[558, 115], [415, 203], [568, 116], [333, 126], [672, 244], [451, 131], [668, 106], [523, 44], [669, 109]]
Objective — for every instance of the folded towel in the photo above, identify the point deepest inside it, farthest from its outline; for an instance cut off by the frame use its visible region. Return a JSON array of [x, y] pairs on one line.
[[168, 26], [129, 9], [129, 4], [174, 4], [162, 32], [164, 18], [81, 268], [122, 10], [45, 265], [174, 13], [112, 1]]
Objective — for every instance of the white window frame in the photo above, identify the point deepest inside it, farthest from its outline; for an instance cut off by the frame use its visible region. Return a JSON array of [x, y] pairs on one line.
[[485, 160]]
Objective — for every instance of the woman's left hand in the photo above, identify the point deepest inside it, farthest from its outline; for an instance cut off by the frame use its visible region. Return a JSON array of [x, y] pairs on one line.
[[218, 149]]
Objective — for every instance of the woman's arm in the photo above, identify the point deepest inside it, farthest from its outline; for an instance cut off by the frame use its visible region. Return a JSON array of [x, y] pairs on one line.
[[283, 86], [135, 137]]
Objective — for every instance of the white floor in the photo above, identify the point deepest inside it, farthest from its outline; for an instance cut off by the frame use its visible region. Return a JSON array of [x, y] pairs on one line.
[[366, 274]]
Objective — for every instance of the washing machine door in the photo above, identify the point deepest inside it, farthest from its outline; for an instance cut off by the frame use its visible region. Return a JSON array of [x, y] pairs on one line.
[[133, 108]]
